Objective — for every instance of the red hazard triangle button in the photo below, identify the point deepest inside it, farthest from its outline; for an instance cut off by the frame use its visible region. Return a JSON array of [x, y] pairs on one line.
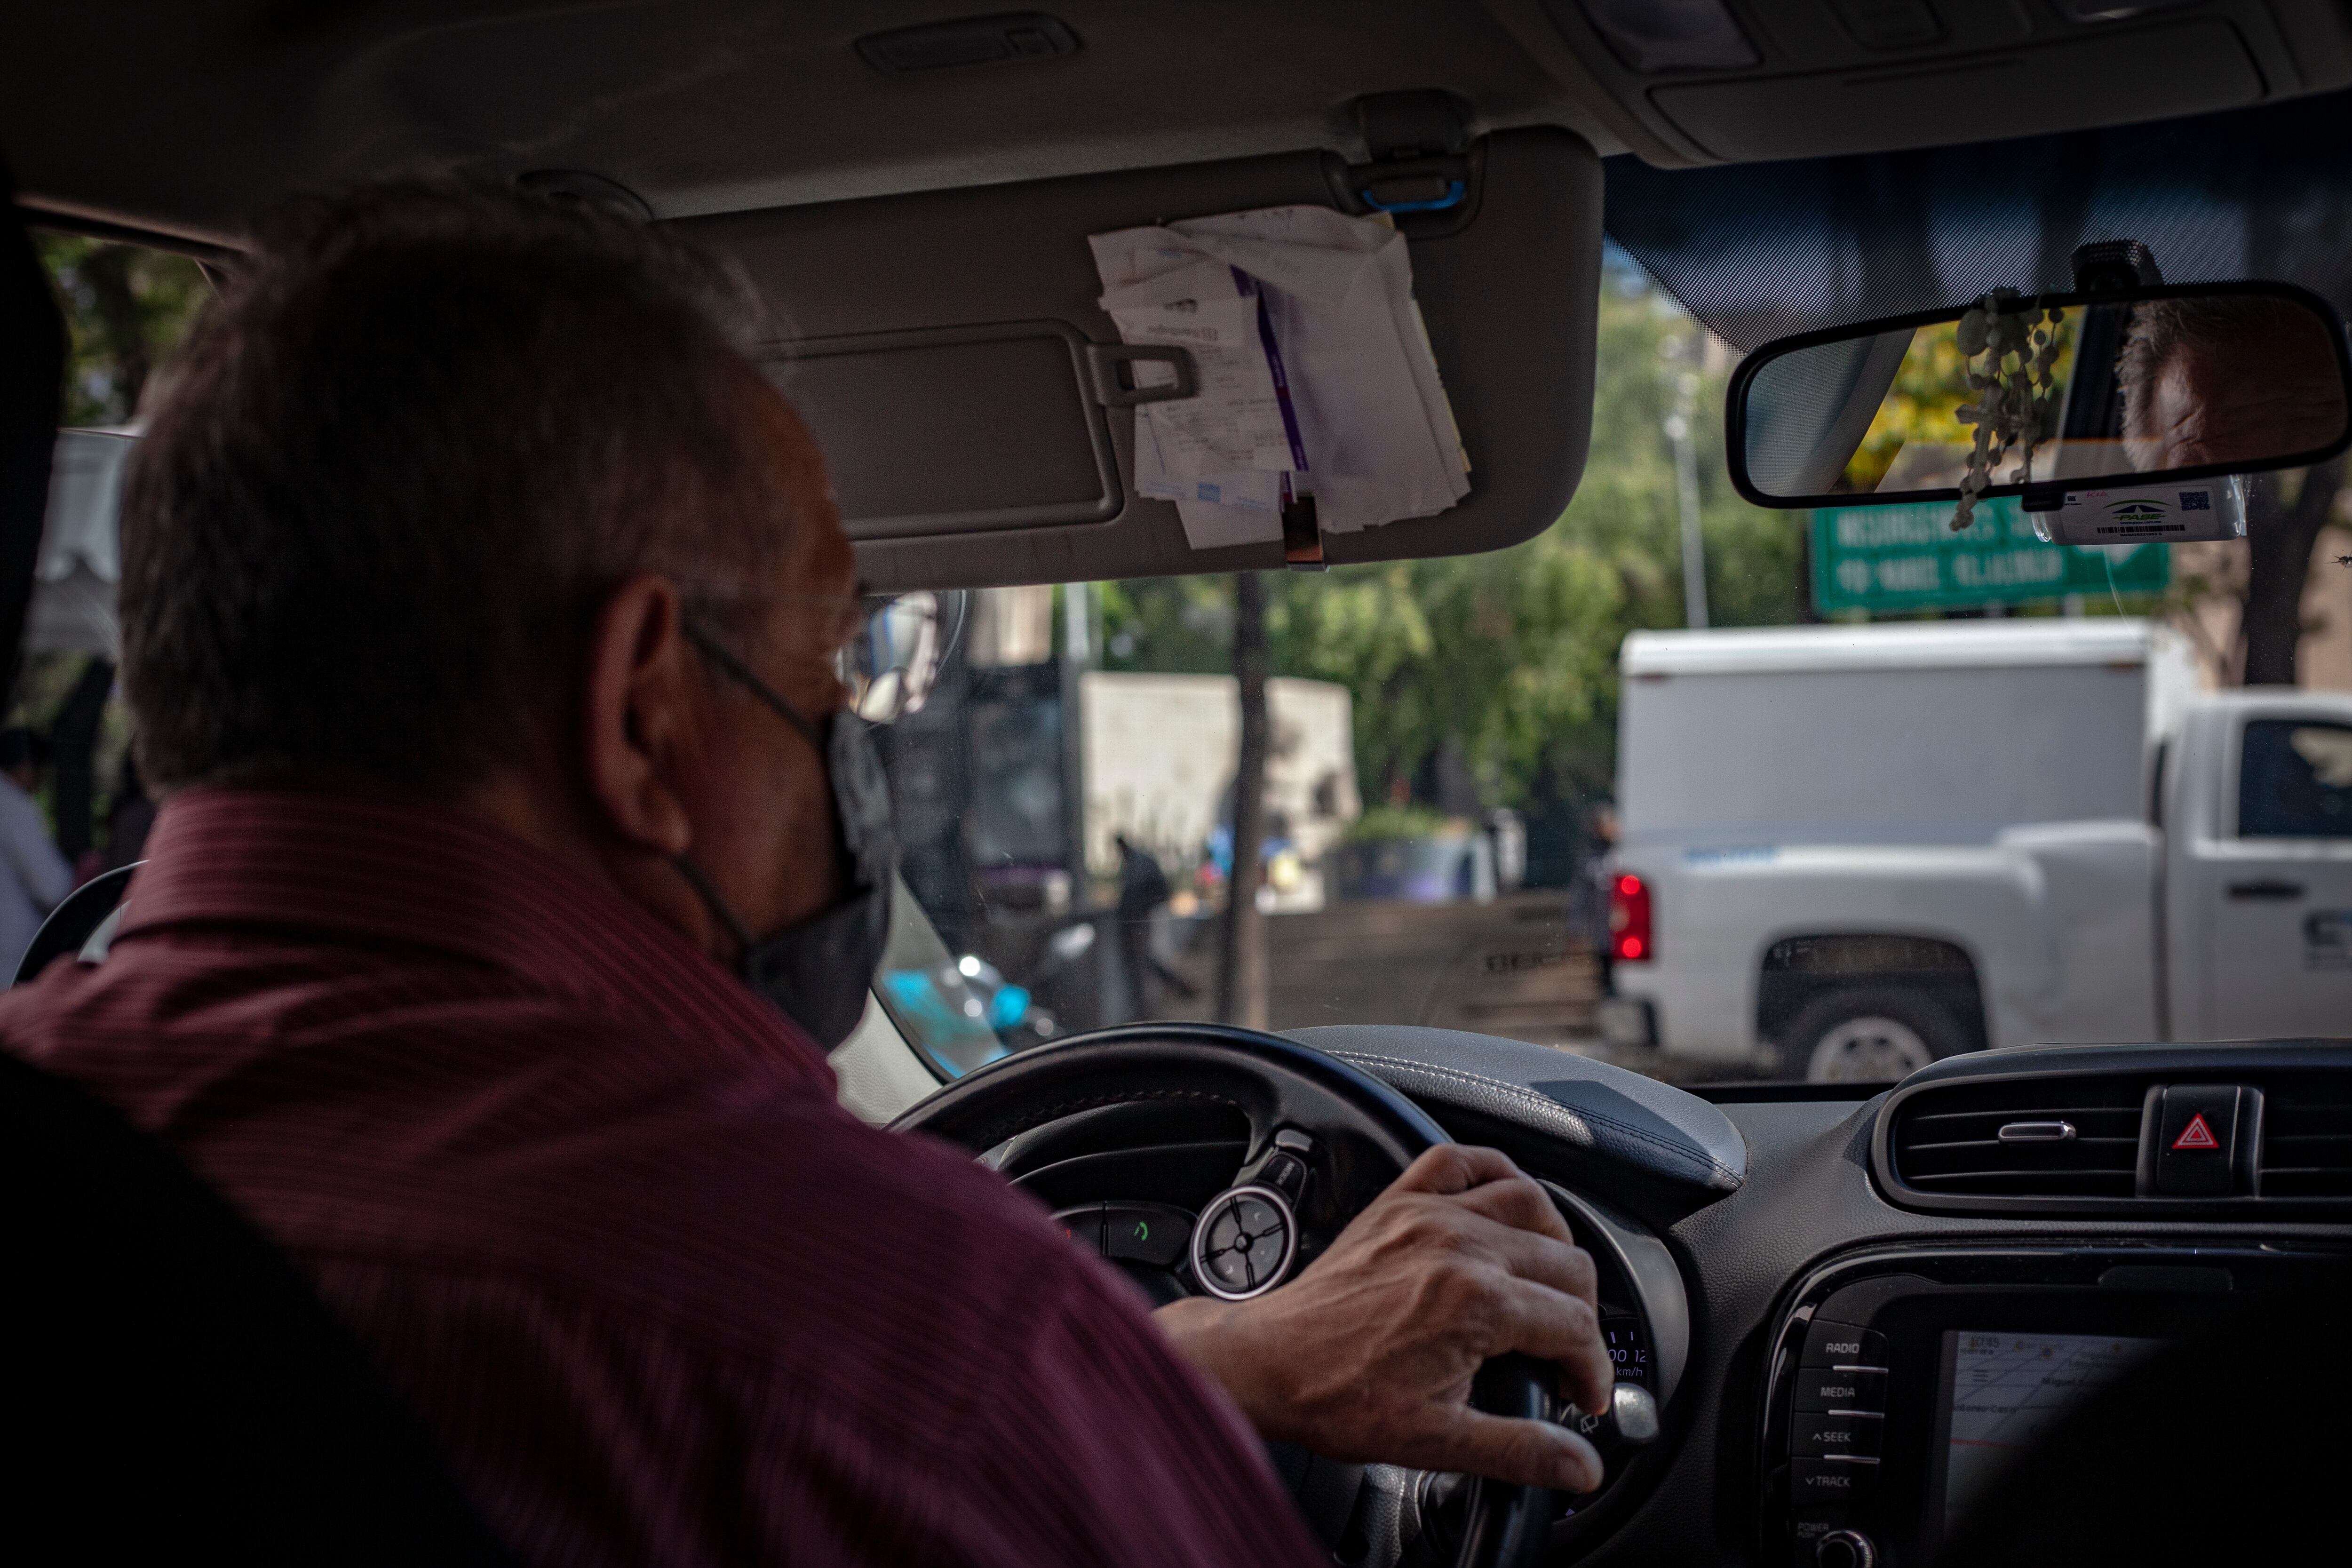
[[2197, 1135]]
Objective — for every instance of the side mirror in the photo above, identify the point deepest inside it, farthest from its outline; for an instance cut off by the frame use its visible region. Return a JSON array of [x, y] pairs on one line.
[[2046, 397]]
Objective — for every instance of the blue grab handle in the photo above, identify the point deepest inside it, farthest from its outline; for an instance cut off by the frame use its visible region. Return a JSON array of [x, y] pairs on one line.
[[1454, 192]]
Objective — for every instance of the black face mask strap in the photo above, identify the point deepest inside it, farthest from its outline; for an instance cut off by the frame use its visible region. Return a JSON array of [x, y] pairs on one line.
[[717, 905], [735, 669]]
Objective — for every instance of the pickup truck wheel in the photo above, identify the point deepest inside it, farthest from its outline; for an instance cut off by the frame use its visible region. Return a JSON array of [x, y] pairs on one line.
[[1871, 1036]]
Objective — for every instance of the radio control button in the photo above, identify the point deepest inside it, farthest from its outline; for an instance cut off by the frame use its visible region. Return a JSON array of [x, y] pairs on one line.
[[1812, 1433], [1844, 1549], [1815, 1481], [1828, 1388], [1843, 1344]]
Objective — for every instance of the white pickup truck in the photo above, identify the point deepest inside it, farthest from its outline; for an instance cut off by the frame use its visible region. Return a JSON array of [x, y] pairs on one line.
[[1856, 849]]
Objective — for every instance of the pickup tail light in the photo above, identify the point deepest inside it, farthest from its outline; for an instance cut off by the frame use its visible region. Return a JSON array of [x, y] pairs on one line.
[[1630, 938]]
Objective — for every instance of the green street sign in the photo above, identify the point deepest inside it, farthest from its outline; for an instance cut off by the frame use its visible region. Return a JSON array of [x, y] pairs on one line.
[[1887, 559]]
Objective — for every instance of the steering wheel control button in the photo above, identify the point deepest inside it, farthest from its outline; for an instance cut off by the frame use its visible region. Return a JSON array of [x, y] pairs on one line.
[[1817, 1434], [1155, 1234], [2196, 1139], [1838, 1388], [1843, 1478], [1286, 1172], [1244, 1242], [1844, 1549], [1830, 1344], [1083, 1224]]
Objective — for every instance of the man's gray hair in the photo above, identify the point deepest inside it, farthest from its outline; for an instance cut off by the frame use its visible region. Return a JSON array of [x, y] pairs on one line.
[[2161, 330], [400, 465]]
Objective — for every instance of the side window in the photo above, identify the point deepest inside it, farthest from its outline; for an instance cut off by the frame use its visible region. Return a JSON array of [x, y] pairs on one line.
[[948, 1010], [72, 804], [2295, 780]]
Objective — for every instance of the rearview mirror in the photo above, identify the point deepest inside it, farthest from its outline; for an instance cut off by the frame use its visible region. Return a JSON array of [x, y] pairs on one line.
[[2047, 397]]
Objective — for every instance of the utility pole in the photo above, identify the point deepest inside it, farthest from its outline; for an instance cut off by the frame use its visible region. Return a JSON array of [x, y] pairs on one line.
[[1077, 655], [1678, 431]]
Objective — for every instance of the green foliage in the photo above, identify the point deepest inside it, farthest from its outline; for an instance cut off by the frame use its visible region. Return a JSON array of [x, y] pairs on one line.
[[1920, 415], [1394, 823], [1511, 655], [125, 307], [1175, 626]]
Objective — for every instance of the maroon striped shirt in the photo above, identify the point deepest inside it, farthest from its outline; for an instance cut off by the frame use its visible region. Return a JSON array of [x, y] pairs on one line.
[[594, 1207]]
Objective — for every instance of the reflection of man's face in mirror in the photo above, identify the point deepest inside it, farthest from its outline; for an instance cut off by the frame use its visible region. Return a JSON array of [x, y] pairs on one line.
[[2243, 380]]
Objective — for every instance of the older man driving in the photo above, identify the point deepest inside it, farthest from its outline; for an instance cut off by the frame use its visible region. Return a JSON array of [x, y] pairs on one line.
[[2247, 379], [519, 865]]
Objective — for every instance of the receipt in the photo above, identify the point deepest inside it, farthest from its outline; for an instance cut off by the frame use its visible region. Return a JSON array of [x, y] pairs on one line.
[[1235, 422], [1240, 506], [1315, 371], [1379, 432]]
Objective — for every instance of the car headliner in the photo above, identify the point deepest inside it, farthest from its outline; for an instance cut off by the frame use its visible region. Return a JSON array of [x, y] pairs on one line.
[[1759, 253], [181, 119]]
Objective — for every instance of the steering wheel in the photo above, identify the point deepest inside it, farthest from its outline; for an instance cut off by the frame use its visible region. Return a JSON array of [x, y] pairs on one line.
[[1324, 1141]]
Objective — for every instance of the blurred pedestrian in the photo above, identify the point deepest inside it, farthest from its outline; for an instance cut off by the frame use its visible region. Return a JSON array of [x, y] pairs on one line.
[[1142, 891], [34, 878], [1589, 894]]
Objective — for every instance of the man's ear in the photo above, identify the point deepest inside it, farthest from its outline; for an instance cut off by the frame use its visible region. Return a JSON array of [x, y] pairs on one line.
[[639, 726]]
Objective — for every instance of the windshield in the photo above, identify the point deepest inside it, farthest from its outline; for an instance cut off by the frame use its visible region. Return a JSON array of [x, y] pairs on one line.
[[1711, 792], [1751, 821]]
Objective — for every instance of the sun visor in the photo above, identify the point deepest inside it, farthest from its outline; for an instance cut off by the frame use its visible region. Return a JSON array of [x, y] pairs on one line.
[[977, 405]]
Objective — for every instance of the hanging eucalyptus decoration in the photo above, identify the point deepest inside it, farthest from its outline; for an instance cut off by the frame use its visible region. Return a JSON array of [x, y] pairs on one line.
[[2009, 353]]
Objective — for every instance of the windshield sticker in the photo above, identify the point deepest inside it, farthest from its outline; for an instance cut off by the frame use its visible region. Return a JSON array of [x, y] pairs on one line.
[[2327, 939]]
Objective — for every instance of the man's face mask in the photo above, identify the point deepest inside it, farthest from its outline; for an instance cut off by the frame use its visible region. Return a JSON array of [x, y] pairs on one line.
[[818, 972]]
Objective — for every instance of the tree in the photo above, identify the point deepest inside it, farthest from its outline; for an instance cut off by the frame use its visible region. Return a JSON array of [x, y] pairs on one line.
[[2280, 535], [1510, 656], [126, 309], [1241, 977], [2241, 603]]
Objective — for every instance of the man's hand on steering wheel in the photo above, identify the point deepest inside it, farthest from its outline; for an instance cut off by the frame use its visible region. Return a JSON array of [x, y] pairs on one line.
[[1368, 1354]]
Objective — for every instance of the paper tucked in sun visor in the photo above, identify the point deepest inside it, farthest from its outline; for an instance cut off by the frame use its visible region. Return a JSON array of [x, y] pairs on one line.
[[917, 334], [1314, 375]]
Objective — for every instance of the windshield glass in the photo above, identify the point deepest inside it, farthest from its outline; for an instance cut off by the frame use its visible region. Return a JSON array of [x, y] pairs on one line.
[[1711, 792], [1524, 793]]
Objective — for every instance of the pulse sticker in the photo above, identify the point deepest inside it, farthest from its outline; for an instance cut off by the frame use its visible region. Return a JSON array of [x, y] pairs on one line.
[[2215, 511]]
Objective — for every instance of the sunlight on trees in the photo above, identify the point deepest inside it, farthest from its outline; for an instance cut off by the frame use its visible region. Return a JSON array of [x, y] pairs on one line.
[[1510, 656]]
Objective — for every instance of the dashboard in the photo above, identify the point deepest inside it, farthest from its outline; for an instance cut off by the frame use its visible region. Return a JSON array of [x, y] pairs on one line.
[[1850, 1312]]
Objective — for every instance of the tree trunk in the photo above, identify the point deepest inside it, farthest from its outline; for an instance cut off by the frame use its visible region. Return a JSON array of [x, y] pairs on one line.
[[106, 270], [2279, 540], [1241, 964]]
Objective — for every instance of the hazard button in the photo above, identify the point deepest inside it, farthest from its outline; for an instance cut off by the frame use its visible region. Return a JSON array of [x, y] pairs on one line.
[[2197, 1128]]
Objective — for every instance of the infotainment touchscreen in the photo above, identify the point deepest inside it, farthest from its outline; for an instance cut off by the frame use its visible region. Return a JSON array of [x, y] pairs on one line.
[[2001, 1391]]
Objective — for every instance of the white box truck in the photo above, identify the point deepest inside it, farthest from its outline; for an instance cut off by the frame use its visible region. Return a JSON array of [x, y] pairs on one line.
[[1851, 849]]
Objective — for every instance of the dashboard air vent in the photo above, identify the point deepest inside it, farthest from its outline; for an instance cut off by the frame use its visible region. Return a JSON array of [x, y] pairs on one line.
[[2045, 1138], [2307, 1137]]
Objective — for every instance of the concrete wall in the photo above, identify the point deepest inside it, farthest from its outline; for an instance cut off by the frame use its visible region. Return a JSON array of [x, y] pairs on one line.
[[1159, 752]]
